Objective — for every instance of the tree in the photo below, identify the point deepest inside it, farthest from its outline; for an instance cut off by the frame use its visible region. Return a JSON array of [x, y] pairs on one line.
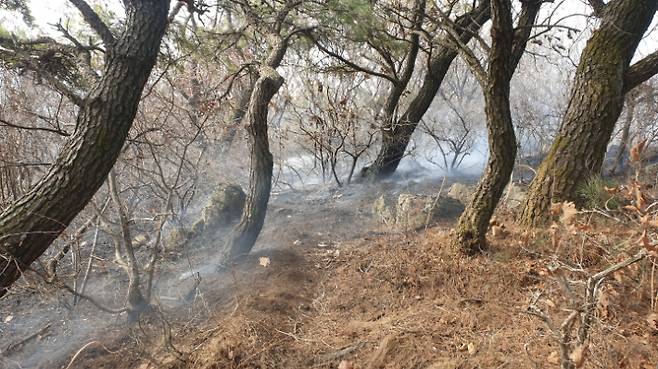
[[243, 237], [390, 34], [507, 47], [106, 113], [602, 79], [397, 132]]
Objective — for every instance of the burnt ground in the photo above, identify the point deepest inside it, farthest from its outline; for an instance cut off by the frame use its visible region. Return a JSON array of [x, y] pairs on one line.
[[342, 291], [39, 324]]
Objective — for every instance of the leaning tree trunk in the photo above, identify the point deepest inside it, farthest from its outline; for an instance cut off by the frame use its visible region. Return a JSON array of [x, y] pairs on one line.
[[596, 102], [396, 134], [506, 50], [243, 237], [31, 224]]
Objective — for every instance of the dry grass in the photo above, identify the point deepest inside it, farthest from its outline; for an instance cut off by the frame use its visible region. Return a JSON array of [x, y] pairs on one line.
[[406, 301]]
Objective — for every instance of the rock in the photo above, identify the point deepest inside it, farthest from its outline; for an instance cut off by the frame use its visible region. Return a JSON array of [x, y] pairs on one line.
[[383, 211], [141, 240], [413, 212], [461, 192], [223, 208], [514, 195], [176, 239]]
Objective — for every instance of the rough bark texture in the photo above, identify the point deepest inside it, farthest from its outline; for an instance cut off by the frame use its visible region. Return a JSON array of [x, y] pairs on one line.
[[596, 102], [31, 224], [244, 236], [396, 134], [507, 48]]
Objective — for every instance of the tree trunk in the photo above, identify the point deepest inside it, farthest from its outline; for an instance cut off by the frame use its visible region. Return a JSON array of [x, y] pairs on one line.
[[596, 102], [240, 110], [396, 134], [618, 163], [243, 237], [31, 224], [136, 301], [473, 224], [507, 48]]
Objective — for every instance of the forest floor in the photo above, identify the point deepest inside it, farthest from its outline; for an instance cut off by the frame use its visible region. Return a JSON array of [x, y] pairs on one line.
[[329, 287]]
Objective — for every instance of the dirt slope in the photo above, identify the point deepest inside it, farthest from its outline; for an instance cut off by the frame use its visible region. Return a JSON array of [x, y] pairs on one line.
[[393, 301]]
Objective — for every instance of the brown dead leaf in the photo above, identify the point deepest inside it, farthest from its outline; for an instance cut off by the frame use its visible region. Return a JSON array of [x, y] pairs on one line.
[[553, 358], [578, 355], [568, 212], [555, 236], [636, 151], [631, 208], [499, 231], [653, 223], [472, 348], [652, 319], [604, 303], [640, 199], [646, 242], [346, 365], [556, 209]]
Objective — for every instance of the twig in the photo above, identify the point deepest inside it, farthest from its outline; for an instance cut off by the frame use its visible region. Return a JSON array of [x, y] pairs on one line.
[[429, 213], [85, 347], [85, 278], [18, 345]]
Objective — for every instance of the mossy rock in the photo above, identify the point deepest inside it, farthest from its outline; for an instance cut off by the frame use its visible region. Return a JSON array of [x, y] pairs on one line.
[[176, 238], [383, 211], [461, 192], [415, 212], [223, 208]]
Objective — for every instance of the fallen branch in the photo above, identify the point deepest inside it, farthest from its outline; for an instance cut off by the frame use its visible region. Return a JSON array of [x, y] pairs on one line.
[[18, 345], [85, 347]]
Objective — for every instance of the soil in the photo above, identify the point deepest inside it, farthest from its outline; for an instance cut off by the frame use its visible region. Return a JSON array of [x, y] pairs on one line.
[[329, 287]]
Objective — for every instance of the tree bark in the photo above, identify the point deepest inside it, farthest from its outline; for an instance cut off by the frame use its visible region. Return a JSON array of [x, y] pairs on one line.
[[244, 235], [32, 223], [396, 134], [506, 50], [618, 163], [596, 102]]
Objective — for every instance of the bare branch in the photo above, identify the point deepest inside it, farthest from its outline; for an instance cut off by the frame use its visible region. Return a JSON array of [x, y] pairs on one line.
[[94, 22], [598, 6], [641, 71], [46, 129], [348, 63]]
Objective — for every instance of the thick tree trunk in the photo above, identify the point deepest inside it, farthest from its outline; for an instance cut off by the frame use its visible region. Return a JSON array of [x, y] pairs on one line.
[[473, 224], [243, 237], [474, 221], [596, 102], [31, 224], [506, 51], [396, 134]]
